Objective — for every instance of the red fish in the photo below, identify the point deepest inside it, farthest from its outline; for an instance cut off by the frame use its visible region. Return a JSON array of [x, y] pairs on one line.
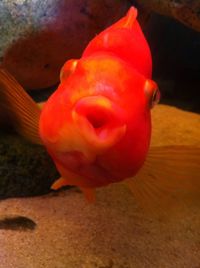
[[97, 125]]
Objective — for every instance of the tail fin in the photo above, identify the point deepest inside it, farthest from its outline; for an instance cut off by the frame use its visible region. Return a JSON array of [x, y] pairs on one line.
[[19, 107], [170, 179]]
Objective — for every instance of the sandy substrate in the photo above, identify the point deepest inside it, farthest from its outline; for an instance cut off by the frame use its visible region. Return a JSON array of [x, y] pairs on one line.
[[113, 232]]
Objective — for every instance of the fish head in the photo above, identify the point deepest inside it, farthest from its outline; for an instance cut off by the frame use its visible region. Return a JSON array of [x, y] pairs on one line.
[[97, 123]]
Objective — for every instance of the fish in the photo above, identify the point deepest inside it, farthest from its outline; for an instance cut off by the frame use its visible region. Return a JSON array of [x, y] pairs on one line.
[[96, 126]]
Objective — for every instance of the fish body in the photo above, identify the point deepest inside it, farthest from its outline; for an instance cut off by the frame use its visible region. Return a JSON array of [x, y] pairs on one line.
[[97, 125]]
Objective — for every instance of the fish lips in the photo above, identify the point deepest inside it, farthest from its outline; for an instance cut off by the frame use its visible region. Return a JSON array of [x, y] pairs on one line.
[[101, 122]]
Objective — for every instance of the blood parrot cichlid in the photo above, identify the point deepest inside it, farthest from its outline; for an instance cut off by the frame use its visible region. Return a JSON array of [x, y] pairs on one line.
[[97, 125]]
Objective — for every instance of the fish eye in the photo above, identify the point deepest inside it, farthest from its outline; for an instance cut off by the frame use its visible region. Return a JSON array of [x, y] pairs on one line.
[[67, 69], [155, 97], [152, 92]]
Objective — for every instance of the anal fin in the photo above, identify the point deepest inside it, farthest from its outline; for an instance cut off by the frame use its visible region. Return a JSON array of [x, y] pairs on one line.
[[89, 194]]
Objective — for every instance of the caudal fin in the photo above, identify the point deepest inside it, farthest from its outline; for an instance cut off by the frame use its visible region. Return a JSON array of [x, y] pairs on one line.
[[19, 108], [169, 179]]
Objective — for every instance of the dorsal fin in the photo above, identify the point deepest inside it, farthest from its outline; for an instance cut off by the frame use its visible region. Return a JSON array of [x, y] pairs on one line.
[[127, 21]]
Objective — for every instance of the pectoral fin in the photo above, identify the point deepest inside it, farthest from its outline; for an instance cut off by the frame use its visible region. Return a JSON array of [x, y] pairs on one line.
[[19, 108], [170, 178], [89, 193], [61, 182]]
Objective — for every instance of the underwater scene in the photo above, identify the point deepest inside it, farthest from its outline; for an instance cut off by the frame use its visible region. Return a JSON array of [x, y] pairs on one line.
[[99, 134]]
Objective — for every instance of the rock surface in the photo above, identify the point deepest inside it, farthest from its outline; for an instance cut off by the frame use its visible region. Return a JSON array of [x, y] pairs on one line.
[[37, 37], [24, 167], [187, 12], [65, 231]]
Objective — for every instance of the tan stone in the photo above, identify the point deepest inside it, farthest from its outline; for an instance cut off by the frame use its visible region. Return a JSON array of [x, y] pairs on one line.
[[171, 125]]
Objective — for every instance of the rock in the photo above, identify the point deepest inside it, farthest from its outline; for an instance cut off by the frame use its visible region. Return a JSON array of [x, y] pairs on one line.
[[37, 37], [25, 168], [187, 12], [171, 125]]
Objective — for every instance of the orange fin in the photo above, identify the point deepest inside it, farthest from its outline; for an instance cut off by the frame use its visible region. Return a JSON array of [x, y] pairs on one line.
[[130, 18], [19, 108], [89, 194], [169, 179], [127, 21], [59, 183]]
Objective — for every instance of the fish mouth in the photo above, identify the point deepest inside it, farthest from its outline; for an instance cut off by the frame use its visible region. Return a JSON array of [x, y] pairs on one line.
[[102, 124], [100, 121]]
